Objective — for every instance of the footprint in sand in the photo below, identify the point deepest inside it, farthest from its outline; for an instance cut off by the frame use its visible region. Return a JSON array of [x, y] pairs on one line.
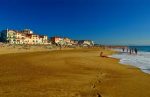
[[98, 95]]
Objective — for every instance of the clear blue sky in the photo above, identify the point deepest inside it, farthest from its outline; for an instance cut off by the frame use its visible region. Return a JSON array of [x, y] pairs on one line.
[[104, 21]]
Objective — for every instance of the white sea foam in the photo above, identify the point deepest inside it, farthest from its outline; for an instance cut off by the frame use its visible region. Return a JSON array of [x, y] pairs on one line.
[[141, 60]]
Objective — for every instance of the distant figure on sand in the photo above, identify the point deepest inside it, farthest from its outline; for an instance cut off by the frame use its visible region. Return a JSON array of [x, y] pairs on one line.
[[130, 51], [101, 55], [127, 50], [135, 50], [123, 49]]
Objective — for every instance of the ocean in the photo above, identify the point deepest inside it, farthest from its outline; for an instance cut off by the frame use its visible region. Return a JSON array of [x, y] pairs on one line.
[[141, 60]]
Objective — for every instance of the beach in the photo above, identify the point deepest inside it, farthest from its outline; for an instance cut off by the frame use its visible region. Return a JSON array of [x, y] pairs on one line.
[[12, 48], [69, 73], [140, 60]]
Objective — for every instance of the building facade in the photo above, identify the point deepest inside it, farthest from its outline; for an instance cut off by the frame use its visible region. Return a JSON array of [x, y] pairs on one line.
[[57, 40], [86, 42], [27, 36], [22, 37]]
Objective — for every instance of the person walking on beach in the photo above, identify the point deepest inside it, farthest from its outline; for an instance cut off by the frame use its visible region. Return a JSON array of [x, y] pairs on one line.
[[130, 51], [123, 49], [135, 50], [127, 50]]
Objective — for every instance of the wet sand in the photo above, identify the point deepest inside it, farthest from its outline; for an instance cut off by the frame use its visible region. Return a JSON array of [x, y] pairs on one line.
[[69, 73]]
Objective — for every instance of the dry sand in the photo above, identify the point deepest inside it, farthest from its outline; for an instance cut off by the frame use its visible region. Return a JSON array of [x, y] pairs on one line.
[[5, 48], [69, 73]]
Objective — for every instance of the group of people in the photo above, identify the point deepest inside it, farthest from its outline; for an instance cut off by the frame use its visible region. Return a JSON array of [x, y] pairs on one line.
[[130, 50]]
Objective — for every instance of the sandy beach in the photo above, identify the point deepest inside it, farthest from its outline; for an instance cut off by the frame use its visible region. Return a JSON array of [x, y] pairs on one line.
[[7, 48], [69, 73]]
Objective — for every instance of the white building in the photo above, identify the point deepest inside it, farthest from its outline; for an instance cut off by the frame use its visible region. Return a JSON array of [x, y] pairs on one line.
[[22, 37], [86, 43]]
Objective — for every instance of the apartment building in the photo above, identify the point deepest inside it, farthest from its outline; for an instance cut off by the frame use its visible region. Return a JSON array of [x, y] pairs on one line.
[[22, 37]]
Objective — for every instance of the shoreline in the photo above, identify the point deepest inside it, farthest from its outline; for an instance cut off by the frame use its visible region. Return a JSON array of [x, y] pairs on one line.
[[70, 73], [14, 51], [125, 58]]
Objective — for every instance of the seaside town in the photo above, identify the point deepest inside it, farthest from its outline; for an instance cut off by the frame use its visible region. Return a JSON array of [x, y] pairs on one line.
[[74, 48], [28, 37]]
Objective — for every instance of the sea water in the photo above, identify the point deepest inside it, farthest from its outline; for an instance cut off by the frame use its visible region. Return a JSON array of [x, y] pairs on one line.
[[141, 60]]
